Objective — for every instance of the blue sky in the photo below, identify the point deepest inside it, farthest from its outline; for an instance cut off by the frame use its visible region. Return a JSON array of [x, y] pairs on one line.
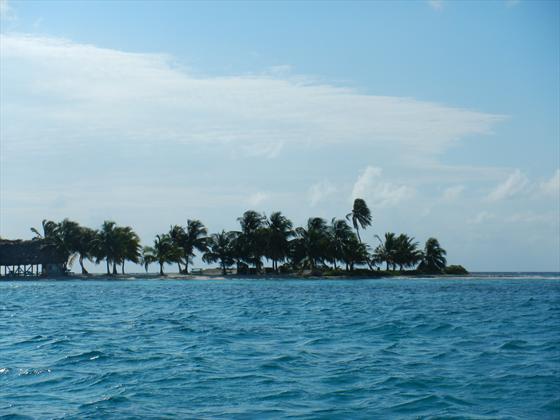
[[442, 115]]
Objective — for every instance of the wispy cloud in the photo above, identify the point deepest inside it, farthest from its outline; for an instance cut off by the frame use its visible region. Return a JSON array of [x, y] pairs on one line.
[[78, 90], [371, 186], [516, 183]]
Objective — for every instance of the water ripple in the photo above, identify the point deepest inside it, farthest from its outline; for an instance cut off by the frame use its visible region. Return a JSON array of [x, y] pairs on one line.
[[399, 348]]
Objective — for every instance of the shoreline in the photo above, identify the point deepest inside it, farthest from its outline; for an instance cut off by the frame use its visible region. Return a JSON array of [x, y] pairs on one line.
[[256, 277]]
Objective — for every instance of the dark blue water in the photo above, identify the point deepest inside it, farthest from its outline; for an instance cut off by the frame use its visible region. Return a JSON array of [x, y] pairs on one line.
[[395, 348]]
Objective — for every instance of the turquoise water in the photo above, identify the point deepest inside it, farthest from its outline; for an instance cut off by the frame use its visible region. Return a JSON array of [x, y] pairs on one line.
[[396, 348]]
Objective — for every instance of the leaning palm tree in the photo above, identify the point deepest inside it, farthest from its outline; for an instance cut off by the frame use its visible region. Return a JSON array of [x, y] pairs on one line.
[[433, 257], [85, 246], [360, 216], [220, 249]]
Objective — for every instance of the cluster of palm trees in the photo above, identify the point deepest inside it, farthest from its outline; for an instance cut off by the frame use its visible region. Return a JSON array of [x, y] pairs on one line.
[[112, 243], [319, 245]]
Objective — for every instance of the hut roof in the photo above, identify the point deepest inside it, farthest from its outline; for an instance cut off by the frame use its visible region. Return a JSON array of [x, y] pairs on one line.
[[36, 251]]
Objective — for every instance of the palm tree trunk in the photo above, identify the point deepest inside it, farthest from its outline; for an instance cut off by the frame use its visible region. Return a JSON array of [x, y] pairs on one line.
[[186, 264], [108, 271], [84, 271], [122, 267], [179, 265], [161, 269], [114, 268]]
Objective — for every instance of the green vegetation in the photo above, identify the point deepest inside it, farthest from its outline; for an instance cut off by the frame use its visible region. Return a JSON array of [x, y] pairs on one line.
[[318, 248]]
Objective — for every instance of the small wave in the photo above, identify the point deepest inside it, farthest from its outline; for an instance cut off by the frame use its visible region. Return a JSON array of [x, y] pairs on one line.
[[442, 328], [108, 400], [4, 371], [419, 404], [83, 357], [458, 401], [33, 372], [514, 345]]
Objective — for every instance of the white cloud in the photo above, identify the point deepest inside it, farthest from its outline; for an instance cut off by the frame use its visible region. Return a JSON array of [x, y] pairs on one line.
[[436, 4], [516, 183], [82, 94], [257, 198], [371, 186], [552, 185], [320, 191], [512, 3], [452, 193]]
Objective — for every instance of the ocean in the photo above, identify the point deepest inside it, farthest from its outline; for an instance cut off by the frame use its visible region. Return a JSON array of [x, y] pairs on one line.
[[476, 347]]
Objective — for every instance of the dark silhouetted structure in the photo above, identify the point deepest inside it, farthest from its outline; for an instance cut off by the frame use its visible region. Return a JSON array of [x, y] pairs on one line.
[[37, 257]]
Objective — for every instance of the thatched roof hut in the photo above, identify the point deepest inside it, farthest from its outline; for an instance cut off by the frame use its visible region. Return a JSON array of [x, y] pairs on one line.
[[32, 252]]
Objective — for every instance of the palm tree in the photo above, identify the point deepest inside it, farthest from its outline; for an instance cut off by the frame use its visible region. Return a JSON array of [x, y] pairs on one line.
[[163, 252], [106, 244], [252, 240], [128, 248], [49, 230], [51, 237], [360, 216], [178, 236], [433, 257], [406, 252], [188, 240], [279, 231], [85, 246], [354, 252], [220, 248], [147, 257], [312, 243], [339, 234], [386, 250], [63, 236], [69, 233]]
